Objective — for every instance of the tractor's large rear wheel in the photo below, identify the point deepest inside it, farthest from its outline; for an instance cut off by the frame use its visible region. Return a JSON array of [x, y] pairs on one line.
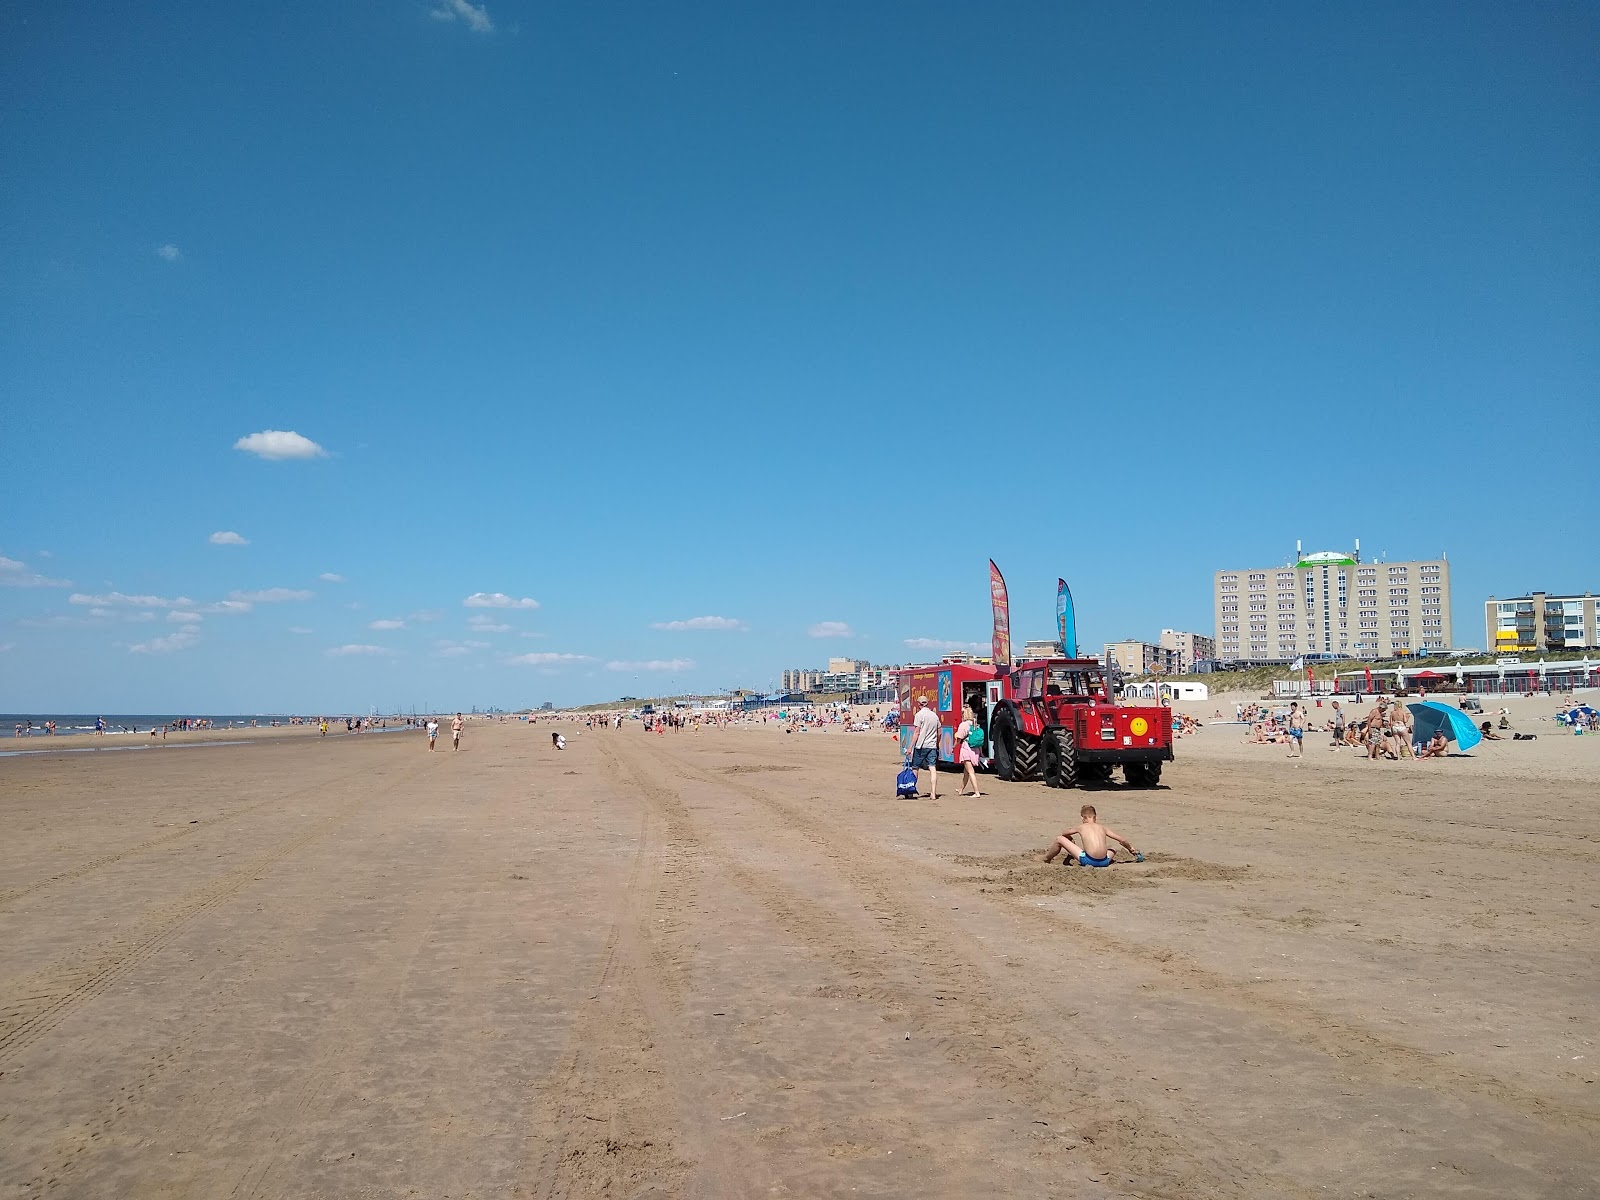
[[1060, 758], [1016, 755], [1142, 775]]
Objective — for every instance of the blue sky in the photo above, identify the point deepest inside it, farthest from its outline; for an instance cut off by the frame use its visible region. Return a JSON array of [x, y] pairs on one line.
[[787, 315]]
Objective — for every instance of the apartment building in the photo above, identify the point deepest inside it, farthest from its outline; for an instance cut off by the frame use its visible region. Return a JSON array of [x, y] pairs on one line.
[[1189, 647], [1134, 657], [1332, 605], [1540, 621]]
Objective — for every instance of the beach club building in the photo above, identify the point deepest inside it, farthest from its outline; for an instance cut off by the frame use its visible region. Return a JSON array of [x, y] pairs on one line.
[[1330, 604]]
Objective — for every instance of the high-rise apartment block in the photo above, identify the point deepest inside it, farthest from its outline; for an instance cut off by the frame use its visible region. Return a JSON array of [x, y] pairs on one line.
[[1539, 621], [1333, 605], [1134, 657], [1189, 647]]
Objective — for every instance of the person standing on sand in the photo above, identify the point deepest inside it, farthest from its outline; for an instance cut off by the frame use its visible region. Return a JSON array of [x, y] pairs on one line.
[[925, 745], [455, 732], [433, 733], [1338, 727], [969, 737], [1297, 729]]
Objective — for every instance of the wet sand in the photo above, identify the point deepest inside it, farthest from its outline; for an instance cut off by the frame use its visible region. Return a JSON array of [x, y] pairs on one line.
[[731, 964]]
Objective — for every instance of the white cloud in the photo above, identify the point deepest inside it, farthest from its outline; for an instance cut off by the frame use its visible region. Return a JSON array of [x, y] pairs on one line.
[[225, 608], [354, 649], [654, 664], [226, 537], [941, 645], [300, 629], [100, 612], [330, 577], [140, 616], [476, 16], [18, 574], [184, 618], [276, 595], [497, 600], [277, 444], [168, 253], [484, 623], [448, 649], [386, 625], [109, 599], [426, 614], [701, 623], [830, 629], [546, 659], [180, 639]]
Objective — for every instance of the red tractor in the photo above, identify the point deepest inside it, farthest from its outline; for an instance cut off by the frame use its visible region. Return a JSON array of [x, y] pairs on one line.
[[1055, 719], [1051, 717]]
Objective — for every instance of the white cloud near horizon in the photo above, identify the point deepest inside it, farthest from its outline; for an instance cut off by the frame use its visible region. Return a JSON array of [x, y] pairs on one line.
[[226, 537], [180, 639], [168, 252], [476, 16], [497, 600], [20, 575], [354, 649], [654, 664], [184, 618], [277, 595], [941, 644], [546, 659], [110, 599], [386, 625], [275, 445], [330, 577], [830, 629], [701, 623]]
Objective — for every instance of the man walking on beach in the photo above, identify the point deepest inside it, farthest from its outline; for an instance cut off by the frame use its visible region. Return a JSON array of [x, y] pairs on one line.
[[455, 732], [1297, 730], [1338, 726], [925, 745]]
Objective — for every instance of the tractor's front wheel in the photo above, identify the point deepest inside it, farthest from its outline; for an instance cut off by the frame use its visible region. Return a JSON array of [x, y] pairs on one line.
[[1060, 758]]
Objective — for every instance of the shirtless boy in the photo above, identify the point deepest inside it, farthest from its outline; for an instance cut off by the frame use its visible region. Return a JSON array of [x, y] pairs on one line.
[[1091, 849]]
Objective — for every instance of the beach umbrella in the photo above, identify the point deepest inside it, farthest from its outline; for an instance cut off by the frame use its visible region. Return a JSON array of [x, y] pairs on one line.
[[1430, 718], [1582, 711]]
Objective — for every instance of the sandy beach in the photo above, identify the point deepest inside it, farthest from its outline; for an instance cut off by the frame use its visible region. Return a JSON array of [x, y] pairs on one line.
[[729, 964]]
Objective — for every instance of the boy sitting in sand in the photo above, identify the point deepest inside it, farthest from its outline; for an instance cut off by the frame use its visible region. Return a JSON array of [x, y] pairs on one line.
[[1090, 850]]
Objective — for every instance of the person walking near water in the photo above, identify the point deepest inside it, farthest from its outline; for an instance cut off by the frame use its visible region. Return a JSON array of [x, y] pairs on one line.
[[433, 732], [455, 732]]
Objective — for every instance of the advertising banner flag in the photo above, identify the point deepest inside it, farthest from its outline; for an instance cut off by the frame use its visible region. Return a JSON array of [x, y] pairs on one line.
[[1001, 643], [1066, 620]]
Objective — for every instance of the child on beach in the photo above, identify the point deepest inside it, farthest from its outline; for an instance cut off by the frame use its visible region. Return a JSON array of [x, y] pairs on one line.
[[1091, 849]]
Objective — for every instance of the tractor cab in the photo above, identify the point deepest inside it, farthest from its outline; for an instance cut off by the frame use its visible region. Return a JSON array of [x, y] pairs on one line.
[[1073, 680]]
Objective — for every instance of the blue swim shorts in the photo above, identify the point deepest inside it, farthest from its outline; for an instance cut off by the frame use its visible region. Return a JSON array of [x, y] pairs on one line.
[[1085, 861]]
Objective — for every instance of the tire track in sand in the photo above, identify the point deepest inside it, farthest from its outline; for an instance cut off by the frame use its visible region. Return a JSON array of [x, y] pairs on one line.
[[928, 980]]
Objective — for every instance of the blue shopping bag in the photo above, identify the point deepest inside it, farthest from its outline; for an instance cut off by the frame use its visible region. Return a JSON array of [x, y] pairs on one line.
[[905, 783]]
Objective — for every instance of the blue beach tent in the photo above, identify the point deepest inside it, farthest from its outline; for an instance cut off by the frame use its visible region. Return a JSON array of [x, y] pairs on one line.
[[1429, 718]]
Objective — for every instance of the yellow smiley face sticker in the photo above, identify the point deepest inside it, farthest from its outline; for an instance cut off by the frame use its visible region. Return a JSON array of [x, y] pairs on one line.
[[1138, 727]]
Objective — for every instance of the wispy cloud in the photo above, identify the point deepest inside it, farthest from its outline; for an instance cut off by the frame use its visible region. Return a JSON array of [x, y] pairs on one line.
[[226, 537], [181, 639], [447, 649], [225, 608], [118, 599], [941, 645], [330, 577], [830, 629], [20, 575], [355, 649], [483, 623], [387, 625], [277, 595], [700, 623], [497, 600], [168, 253], [300, 629], [654, 664], [277, 444], [7, 647], [546, 659], [426, 614], [476, 16], [184, 618]]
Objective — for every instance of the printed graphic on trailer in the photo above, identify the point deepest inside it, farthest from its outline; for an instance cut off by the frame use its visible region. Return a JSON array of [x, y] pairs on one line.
[[946, 693], [947, 744]]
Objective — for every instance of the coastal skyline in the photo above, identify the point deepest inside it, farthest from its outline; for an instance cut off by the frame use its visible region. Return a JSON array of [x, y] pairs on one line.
[[499, 354]]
